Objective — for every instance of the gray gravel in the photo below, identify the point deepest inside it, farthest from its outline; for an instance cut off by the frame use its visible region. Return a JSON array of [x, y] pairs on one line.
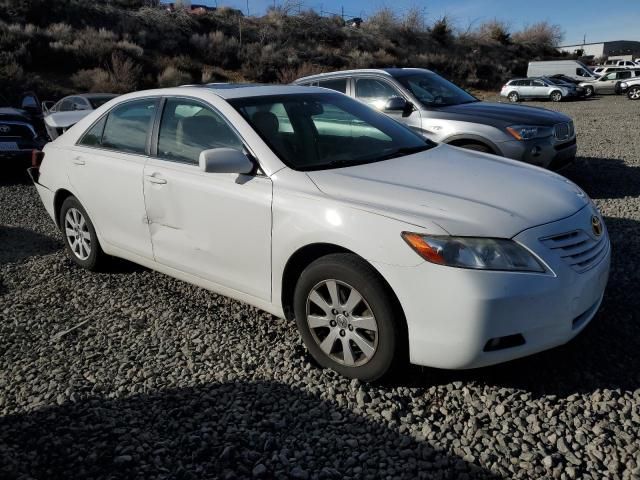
[[165, 380]]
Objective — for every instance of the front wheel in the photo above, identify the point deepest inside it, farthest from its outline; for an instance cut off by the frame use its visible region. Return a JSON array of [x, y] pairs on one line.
[[80, 236], [556, 96], [588, 91], [346, 317], [634, 93], [513, 97]]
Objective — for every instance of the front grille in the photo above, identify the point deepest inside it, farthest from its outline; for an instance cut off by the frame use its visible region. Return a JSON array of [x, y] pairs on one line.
[[563, 131], [562, 146], [578, 249]]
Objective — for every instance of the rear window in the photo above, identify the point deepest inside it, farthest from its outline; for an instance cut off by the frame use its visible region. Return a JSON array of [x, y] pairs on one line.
[[337, 84], [128, 126]]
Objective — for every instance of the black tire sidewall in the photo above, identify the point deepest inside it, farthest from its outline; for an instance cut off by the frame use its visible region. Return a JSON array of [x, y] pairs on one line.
[[92, 261], [352, 270]]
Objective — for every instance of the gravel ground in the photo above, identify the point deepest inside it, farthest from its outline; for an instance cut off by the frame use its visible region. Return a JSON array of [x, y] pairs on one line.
[[165, 380]]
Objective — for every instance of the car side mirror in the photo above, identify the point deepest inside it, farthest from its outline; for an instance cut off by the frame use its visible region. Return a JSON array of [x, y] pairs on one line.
[[399, 104], [225, 160], [395, 104]]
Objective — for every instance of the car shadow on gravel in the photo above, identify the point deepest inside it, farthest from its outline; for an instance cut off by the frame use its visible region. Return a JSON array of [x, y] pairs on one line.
[[605, 178], [14, 175], [19, 243], [228, 430], [605, 355]]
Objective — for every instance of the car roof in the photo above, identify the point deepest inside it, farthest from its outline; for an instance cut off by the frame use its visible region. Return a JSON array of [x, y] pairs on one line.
[[227, 91], [390, 72]]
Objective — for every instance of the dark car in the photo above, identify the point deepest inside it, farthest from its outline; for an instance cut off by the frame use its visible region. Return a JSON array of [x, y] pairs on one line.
[[21, 129], [576, 91]]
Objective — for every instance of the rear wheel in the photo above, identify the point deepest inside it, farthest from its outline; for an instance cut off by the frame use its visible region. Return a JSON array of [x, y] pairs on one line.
[[80, 236], [346, 317], [555, 96], [588, 91], [513, 97], [634, 93]]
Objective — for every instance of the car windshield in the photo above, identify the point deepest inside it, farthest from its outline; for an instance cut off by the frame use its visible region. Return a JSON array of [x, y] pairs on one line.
[[434, 91], [317, 131], [98, 101]]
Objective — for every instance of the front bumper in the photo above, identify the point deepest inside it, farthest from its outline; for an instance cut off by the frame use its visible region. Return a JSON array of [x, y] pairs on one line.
[[454, 314], [543, 152]]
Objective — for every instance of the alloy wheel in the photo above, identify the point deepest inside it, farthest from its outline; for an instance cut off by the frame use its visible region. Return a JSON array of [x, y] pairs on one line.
[[634, 94], [342, 323], [513, 97], [556, 96], [77, 233]]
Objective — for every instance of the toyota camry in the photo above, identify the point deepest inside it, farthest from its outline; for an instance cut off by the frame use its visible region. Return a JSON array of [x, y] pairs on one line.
[[383, 246]]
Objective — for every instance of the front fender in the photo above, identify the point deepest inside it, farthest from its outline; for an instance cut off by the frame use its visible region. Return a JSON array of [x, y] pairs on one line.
[[302, 218]]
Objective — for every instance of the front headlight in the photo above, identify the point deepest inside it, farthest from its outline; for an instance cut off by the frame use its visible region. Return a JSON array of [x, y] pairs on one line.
[[623, 84], [528, 132], [475, 253]]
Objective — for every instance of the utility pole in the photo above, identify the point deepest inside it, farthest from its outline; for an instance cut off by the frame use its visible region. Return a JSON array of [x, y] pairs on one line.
[[342, 13], [248, 8]]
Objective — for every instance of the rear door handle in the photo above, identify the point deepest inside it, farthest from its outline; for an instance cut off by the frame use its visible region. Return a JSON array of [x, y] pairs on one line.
[[78, 161], [156, 180]]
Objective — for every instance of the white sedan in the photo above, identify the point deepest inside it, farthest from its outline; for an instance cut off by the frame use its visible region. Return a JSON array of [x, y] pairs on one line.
[[382, 245]]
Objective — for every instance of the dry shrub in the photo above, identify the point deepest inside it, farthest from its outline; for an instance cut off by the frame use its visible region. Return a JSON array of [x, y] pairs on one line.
[[121, 76], [172, 77], [495, 31], [289, 74], [541, 34]]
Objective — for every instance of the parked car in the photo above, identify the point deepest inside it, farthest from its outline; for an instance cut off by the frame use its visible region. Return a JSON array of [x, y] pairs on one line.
[[575, 90], [21, 129], [570, 68], [631, 88], [443, 112], [607, 82], [306, 203], [67, 112], [621, 63], [539, 88]]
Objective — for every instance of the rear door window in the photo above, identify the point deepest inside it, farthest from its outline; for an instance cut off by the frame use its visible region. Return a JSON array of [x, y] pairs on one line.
[[128, 126], [337, 84]]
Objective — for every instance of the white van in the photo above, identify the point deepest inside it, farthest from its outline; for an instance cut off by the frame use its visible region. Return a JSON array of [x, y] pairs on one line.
[[570, 68]]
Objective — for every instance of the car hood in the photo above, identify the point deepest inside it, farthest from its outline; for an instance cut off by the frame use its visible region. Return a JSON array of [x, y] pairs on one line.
[[65, 119], [502, 114], [465, 193]]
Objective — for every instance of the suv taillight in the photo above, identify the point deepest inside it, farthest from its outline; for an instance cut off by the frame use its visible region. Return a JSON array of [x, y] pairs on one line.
[[36, 158]]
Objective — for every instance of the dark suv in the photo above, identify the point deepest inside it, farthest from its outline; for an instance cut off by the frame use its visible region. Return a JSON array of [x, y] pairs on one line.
[[21, 129]]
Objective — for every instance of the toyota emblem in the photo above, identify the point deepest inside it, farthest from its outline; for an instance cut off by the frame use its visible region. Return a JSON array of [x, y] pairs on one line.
[[5, 128]]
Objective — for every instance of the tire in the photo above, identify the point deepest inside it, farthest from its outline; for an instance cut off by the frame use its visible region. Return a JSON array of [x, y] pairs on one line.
[[513, 97], [556, 96], [476, 147], [80, 239], [634, 93], [588, 91], [335, 341]]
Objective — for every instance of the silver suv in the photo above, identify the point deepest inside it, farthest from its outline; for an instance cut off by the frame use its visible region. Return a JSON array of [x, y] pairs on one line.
[[535, 88], [445, 113]]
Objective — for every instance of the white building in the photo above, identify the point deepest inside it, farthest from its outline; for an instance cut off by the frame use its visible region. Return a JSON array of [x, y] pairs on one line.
[[623, 49]]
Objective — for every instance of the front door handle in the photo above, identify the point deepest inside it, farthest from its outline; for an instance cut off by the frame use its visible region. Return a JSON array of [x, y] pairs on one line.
[[78, 161], [156, 180]]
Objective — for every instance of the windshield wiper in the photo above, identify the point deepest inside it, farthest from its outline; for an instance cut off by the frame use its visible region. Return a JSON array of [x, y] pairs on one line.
[[401, 152]]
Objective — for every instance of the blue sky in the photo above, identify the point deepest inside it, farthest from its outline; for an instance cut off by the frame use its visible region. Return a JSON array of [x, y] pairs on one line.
[[599, 20]]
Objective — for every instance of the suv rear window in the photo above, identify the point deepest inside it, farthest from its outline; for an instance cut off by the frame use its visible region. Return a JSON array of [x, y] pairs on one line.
[[337, 84]]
